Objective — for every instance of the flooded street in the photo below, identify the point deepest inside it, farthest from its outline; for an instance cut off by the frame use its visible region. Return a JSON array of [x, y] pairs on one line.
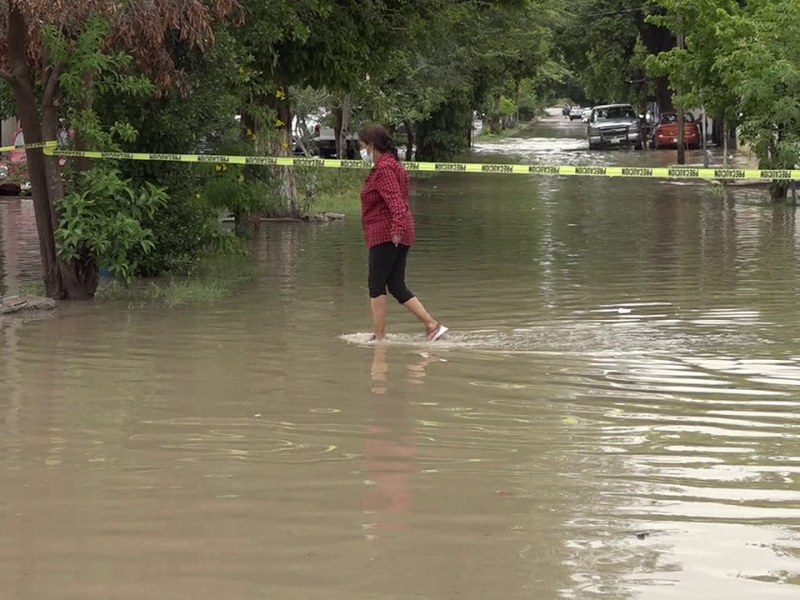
[[616, 413]]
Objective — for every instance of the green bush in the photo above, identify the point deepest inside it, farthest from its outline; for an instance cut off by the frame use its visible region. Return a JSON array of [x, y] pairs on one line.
[[104, 223], [185, 230]]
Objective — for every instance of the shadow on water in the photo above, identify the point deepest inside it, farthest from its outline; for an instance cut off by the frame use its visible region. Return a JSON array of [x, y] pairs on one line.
[[615, 413]]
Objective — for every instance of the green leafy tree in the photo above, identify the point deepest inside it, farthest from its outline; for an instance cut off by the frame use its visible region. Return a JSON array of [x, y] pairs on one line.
[[605, 43], [485, 50], [742, 61], [761, 61], [194, 117], [33, 68], [692, 71], [598, 42]]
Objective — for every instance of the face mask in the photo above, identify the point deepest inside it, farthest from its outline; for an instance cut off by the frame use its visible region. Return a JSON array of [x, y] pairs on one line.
[[366, 156]]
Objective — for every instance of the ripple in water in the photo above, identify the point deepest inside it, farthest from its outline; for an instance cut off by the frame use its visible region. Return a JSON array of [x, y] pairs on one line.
[[632, 328], [691, 454]]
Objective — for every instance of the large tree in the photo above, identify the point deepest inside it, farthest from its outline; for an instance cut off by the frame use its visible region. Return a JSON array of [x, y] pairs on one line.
[[742, 61], [602, 41], [465, 56], [34, 72], [336, 45]]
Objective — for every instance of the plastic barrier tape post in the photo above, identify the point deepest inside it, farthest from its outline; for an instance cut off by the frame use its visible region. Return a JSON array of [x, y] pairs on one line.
[[51, 149]]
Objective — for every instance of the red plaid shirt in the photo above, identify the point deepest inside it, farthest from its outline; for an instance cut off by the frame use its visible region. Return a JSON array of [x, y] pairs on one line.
[[385, 210]]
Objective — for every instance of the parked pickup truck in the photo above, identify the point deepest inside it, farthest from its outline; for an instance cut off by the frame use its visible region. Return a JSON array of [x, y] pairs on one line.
[[325, 139], [614, 125]]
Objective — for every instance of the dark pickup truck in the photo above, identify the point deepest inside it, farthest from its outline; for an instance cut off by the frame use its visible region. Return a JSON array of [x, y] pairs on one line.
[[614, 125]]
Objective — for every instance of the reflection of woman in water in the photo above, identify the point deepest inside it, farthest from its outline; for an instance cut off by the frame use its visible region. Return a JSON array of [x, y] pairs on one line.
[[390, 448], [389, 231]]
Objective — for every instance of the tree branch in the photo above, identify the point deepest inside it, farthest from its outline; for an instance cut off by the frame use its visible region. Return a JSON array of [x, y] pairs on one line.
[[51, 85], [6, 74]]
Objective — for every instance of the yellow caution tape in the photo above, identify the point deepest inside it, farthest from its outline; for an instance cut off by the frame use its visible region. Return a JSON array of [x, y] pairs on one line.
[[36, 145], [674, 172]]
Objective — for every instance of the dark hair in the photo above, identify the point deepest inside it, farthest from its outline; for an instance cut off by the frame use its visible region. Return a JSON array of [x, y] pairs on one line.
[[379, 136]]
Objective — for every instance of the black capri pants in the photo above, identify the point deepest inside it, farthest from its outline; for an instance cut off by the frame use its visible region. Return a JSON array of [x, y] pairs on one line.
[[387, 268]]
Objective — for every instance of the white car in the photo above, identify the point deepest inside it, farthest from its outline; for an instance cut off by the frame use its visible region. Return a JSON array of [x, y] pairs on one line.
[[585, 114], [574, 113]]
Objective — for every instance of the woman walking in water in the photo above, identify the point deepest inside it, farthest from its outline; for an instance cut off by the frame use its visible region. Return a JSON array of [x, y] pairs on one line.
[[389, 232]]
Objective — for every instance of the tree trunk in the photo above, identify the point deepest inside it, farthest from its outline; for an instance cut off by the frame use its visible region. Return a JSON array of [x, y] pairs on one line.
[[62, 280], [246, 224], [337, 126], [82, 163], [724, 143], [681, 122], [778, 190], [716, 129], [342, 129], [50, 132], [664, 95], [657, 39], [80, 277], [409, 139], [282, 146], [25, 100]]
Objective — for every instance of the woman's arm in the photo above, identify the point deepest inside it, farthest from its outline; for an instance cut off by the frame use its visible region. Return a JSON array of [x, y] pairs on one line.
[[389, 189]]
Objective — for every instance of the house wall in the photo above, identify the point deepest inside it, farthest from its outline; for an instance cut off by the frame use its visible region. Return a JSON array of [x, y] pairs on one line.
[[8, 127]]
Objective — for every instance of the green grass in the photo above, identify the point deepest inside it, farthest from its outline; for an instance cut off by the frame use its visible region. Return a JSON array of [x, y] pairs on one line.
[[336, 190], [31, 288], [347, 201], [506, 133], [212, 281]]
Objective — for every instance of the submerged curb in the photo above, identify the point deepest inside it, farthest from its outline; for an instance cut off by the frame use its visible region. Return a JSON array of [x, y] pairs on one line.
[[14, 304]]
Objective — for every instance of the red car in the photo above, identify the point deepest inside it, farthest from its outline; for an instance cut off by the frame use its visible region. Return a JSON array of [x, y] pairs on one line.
[[667, 131]]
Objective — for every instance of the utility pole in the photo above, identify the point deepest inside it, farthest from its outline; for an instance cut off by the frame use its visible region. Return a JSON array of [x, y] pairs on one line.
[[681, 145]]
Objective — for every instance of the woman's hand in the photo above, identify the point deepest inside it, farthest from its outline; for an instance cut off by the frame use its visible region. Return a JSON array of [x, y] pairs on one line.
[[396, 238]]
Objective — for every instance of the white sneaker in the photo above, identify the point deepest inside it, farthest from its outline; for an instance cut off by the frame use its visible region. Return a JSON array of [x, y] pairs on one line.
[[437, 333]]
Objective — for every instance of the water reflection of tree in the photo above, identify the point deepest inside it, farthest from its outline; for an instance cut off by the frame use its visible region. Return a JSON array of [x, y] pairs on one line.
[[12, 384], [617, 237], [32, 450], [19, 244], [280, 246]]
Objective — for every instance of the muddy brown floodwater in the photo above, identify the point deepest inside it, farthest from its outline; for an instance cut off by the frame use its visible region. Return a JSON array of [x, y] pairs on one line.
[[615, 415]]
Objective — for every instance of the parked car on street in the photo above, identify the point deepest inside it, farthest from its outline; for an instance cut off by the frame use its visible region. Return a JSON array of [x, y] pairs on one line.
[[614, 125], [575, 113], [325, 139], [666, 133], [585, 114]]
